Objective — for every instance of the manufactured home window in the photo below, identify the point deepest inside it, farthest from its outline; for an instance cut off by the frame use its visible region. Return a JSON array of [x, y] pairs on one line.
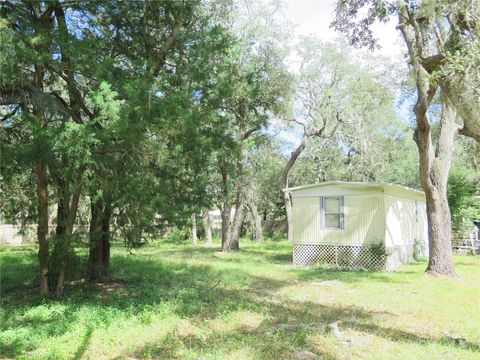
[[332, 216]]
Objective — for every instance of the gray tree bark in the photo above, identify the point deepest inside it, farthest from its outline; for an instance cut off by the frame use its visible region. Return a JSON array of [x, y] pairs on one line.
[[234, 243], [461, 94], [434, 169], [207, 227], [194, 230], [257, 222], [226, 210], [434, 161]]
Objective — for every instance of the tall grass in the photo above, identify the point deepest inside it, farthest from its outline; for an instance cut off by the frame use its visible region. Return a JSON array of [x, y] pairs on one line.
[[184, 302]]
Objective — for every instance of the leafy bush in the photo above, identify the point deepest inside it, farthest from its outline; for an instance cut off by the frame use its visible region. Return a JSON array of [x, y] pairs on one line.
[[176, 236], [463, 200], [378, 249], [277, 236]]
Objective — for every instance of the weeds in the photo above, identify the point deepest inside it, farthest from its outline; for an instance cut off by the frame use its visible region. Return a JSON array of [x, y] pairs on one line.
[[185, 302]]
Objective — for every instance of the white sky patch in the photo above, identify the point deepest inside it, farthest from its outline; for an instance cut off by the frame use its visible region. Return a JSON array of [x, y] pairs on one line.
[[315, 16]]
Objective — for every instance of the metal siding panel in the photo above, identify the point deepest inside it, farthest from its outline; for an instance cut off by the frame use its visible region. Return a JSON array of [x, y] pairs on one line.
[[342, 213], [306, 220], [334, 190], [401, 226], [322, 212], [364, 221]]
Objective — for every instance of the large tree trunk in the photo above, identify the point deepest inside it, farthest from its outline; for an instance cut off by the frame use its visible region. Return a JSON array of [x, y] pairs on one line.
[[194, 230], [257, 222], [60, 249], [42, 224], [42, 195], [226, 210], [234, 243], [434, 169], [434, 162], [106, 216], [207, 227], [95, 253], [66, 214], [99, 255], [286, 195]]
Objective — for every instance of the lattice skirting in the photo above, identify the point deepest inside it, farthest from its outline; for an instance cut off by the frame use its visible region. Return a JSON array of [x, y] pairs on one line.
[[344, 256]]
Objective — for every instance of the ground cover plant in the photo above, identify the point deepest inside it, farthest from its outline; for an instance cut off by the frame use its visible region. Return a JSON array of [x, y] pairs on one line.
[[173, 301]]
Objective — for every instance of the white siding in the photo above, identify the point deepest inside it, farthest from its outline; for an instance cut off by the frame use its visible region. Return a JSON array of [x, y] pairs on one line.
[[364, 219], [306, 220], [402, 227], [423, 226], [335, 190]]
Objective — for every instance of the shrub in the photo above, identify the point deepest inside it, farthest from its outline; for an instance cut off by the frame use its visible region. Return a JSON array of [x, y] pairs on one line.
[[177, 236]]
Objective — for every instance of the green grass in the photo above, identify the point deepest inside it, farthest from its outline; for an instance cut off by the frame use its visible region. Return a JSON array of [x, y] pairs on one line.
[[185, 302]]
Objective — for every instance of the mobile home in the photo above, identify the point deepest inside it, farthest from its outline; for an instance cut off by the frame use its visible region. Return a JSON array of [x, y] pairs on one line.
[[358, 225]]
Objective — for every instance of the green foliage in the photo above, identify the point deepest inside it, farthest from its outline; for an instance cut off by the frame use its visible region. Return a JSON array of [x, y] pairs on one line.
[[277, 236], [371, 144], [177, 236], [464, 199]]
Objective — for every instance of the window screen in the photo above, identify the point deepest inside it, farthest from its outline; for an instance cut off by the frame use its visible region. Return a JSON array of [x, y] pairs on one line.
[[332, 212], [332, 205]]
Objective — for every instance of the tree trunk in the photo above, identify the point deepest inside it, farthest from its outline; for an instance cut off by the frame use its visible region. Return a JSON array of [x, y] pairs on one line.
[[66, 215], [207, 227], [42, 195], [434, 162], [95, 254], [286, 195], [59, 255], [434, 169], [99, 255], [72, 214], [106, 215], [42, 224], [257, 222], [226, 210], [238, 218], [194, 230], [460, 90]]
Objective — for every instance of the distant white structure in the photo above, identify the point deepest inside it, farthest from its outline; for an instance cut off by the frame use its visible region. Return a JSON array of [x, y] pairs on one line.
[[216, 220], [15, 235]]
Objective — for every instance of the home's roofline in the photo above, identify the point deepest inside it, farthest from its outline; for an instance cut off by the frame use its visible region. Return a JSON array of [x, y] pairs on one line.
[[356, 184]]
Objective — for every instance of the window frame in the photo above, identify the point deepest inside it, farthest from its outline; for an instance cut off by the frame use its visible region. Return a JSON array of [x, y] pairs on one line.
[[341, 212]]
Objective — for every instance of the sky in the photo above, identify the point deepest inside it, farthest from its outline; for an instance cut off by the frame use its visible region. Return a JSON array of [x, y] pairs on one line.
[[314, 17]]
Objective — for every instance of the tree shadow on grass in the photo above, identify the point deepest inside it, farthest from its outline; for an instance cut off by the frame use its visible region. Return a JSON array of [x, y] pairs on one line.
[[198, 293], [316, 273], [285, 331], [84, 344], [307, 273]]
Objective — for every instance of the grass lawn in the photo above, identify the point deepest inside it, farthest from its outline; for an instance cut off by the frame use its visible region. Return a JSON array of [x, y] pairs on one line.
[[185, 302]]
